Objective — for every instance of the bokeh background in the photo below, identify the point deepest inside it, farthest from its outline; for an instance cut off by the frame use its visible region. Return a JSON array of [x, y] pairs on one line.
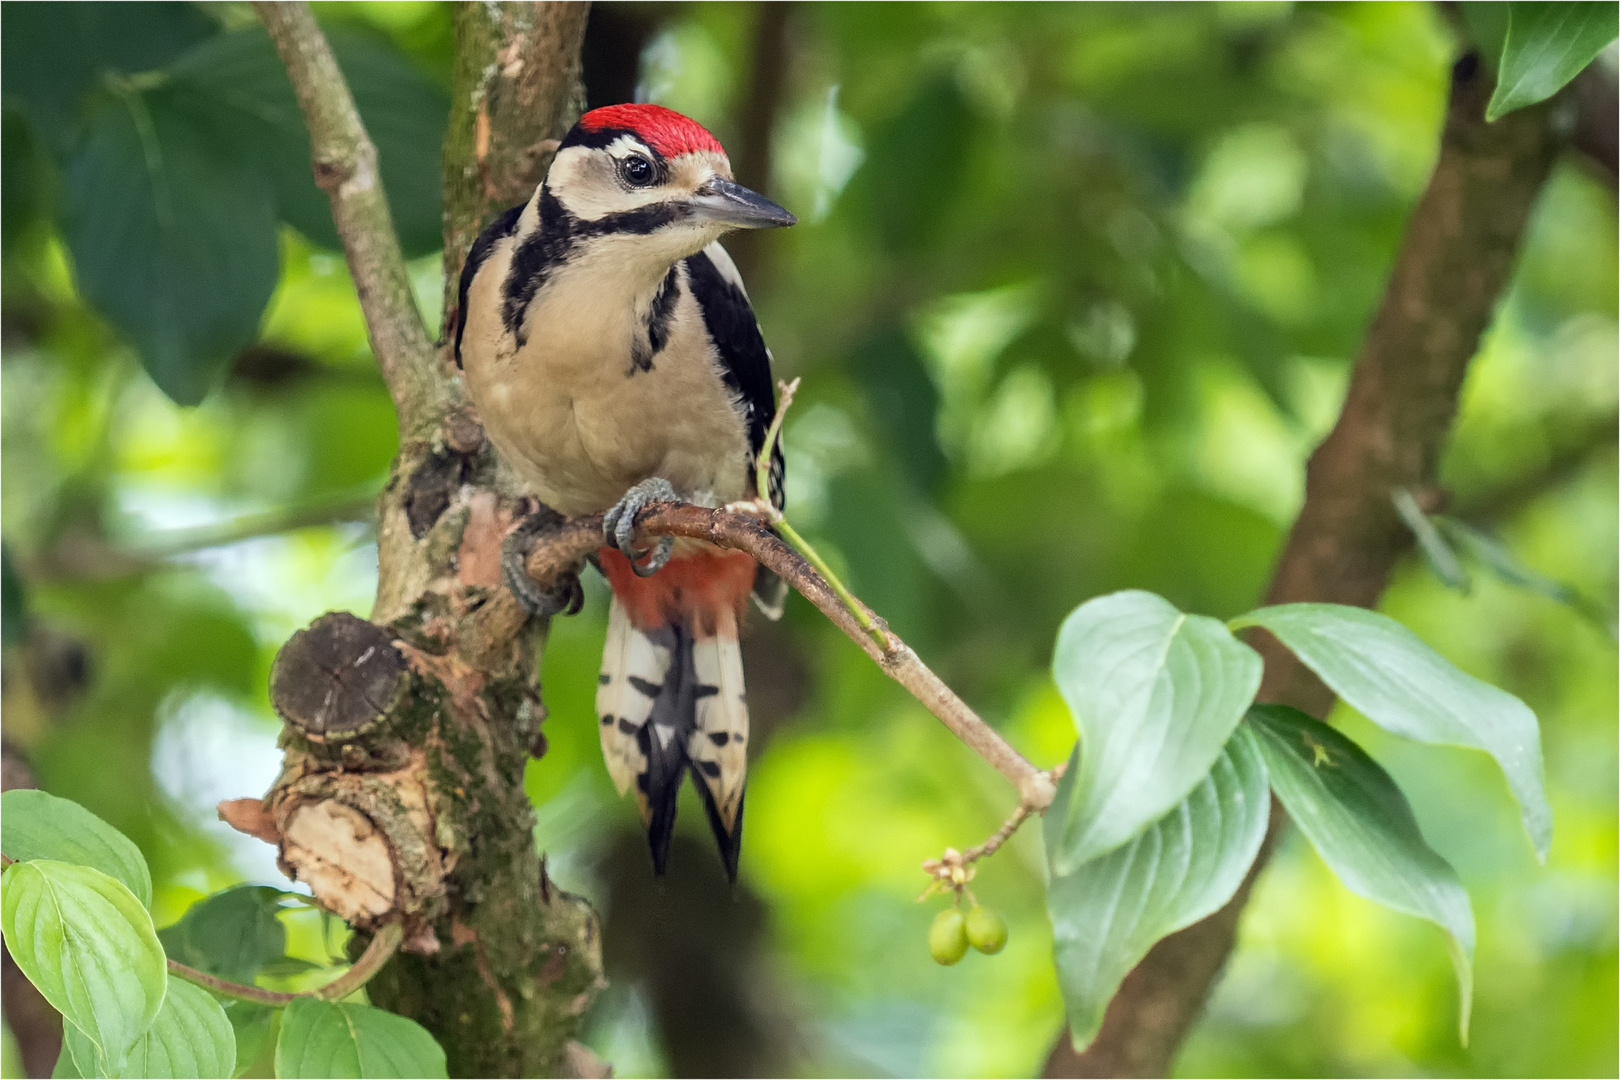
[[1074, 294]]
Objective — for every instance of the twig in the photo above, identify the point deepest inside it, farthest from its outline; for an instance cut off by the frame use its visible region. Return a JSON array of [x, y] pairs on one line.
[[764, 508], [562, 550], [378, 952], [955, 868], [345, 164]]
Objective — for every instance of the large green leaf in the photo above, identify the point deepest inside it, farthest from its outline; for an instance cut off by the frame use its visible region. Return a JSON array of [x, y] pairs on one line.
[[252, 109], [232, 934], [36, 825], [1154, 694], [1548, 43], [1359, 822], [83, 939], [190, 1038], [53, 55], [1395, 680], [172, 240], [1107, 913], [340, 1039]]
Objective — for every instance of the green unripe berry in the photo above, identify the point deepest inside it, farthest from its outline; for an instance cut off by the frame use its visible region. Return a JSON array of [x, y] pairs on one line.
[[986, 929], [948, 937]]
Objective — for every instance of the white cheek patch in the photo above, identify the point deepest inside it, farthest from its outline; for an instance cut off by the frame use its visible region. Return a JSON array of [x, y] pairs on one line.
[[586, 181]]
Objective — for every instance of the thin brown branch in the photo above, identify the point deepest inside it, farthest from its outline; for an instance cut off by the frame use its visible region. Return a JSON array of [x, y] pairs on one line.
[[345, 164], [561, 551], [379, 950], [1453, 264]]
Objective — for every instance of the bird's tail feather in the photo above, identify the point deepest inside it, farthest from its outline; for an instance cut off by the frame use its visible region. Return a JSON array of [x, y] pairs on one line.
[[671, 702]]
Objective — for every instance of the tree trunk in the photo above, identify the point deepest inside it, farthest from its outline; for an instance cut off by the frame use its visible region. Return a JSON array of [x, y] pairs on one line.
[[407, 736]]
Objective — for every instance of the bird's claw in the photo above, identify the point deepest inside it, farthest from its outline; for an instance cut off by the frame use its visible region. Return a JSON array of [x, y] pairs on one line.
[[619, 525], [566, 599]]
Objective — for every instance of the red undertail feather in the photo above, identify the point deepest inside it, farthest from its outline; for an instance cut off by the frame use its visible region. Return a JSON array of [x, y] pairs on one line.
[[691, 588]]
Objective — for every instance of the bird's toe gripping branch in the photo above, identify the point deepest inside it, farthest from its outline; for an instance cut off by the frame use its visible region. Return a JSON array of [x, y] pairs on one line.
[[619, 525], [565, 597]]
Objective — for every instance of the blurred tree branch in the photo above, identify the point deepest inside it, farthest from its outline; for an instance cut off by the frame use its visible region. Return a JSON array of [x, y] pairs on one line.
[[1597, 122], [1452, 266]]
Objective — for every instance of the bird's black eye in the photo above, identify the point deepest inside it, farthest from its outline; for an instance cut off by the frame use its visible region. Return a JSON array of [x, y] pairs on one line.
[[636, 170]]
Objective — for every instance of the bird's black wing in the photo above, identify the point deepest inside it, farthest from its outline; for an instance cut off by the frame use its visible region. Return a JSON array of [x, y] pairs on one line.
[[744, 361], [503, 226]]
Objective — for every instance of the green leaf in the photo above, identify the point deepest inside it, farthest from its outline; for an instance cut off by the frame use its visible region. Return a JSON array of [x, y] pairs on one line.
[[66, 1068], [251, 1024], [52, 56], [79, 1055], [1547, 45], [1437, 553], [233, 934], [190, 1037], [1388, 674], [172, 240], [1107, 913], [241, 82], [340, 1039], [1360, 823], [88, 945], [1500, 561], [1154, 694], [37, 825]]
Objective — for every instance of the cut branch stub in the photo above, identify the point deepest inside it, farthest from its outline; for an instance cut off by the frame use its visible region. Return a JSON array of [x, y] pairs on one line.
[[338, 678]]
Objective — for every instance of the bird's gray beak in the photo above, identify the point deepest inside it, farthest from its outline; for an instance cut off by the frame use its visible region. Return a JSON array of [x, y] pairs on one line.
[[734, 205]]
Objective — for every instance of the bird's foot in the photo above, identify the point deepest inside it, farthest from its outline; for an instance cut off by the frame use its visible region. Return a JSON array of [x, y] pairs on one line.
[[619, 525], [566, 598]]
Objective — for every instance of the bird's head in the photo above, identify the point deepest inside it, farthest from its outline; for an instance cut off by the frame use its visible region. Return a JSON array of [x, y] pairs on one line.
[[650, 172]]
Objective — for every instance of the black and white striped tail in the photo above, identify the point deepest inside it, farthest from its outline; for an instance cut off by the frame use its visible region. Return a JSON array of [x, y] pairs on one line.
[[671, 702]]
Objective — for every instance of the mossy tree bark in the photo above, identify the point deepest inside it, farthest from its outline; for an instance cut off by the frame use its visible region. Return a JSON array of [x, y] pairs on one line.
[[407, 735]]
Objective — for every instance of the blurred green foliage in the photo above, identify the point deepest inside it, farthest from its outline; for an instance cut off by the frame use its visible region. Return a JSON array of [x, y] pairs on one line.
[[1075, 293]]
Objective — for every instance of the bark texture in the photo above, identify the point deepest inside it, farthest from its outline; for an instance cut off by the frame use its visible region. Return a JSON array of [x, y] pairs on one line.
[[1452, 266], [407, 735]]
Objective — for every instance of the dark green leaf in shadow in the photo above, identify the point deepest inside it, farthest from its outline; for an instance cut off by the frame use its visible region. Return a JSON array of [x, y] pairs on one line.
[[904, 403], [1107, 913], [1359, 822], [53, 55], [172, 240], [253, 110], [233, 934]]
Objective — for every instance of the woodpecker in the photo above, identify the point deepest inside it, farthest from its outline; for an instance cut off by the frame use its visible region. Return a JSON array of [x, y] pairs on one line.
[[609, 346]]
